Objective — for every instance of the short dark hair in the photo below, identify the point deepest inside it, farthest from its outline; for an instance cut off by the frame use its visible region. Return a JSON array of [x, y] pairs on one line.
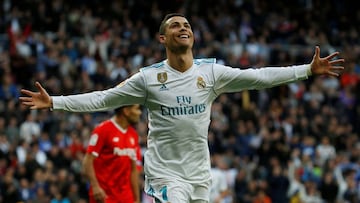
[[119, 110], [167, 17]]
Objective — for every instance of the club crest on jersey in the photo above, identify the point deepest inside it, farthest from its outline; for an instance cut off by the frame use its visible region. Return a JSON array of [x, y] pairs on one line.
[[162, 77], [132, 141], [200, 83]]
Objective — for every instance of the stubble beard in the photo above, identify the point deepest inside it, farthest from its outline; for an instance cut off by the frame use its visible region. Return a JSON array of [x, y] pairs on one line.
[[133, 121], [181, 49]]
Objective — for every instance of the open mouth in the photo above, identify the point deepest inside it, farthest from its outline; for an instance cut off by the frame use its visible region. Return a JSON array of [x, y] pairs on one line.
[[183, 36]]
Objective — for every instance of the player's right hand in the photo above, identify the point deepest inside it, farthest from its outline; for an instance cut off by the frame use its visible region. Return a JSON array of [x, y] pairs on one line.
[[36, 100]]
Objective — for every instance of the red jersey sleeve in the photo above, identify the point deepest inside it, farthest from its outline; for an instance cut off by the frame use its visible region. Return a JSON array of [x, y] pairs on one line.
[[97, 141]]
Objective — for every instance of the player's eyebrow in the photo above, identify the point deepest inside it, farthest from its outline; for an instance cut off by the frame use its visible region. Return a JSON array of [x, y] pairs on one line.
[[179, 23]]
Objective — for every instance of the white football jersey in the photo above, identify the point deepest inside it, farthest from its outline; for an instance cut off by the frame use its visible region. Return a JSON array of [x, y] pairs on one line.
[[179, 105]]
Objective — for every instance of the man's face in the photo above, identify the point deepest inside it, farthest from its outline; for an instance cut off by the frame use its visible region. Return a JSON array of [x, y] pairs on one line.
[[178, 35], [132, 114]]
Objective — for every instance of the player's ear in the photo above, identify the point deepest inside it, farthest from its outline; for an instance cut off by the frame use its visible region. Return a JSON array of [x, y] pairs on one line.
[[162, 39], [126, 111]]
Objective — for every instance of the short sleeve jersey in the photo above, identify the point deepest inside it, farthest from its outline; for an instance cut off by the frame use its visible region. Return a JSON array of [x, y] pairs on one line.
[[114, 148]]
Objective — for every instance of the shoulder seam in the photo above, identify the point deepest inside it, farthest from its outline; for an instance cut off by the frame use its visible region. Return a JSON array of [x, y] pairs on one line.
[[155, 65], [204, 60]]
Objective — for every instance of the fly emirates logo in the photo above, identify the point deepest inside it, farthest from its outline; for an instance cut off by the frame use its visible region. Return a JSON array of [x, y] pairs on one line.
[[184, 107], [125, 152]]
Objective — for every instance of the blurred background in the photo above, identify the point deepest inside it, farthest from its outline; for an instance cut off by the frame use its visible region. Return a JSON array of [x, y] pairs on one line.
[[292, 143]]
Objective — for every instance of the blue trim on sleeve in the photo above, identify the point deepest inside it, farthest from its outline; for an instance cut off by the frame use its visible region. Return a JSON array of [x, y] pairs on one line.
[[155, 65], [204, 60]]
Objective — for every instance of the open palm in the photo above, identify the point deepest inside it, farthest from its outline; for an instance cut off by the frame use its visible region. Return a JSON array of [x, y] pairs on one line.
[[326, 66], [36, 100]]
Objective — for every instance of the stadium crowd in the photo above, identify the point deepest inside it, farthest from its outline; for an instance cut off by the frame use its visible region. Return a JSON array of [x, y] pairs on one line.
[[292, 143]]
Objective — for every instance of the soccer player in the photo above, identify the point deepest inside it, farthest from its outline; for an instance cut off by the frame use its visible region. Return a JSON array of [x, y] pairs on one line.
[[113, 159], [178, 93]]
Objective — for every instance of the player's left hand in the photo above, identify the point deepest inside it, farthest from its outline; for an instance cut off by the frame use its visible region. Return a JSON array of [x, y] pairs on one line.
[[99, 194], [326, 65]]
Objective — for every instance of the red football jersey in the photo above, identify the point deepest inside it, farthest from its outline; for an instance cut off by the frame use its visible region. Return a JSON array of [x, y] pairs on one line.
[[114, 148]]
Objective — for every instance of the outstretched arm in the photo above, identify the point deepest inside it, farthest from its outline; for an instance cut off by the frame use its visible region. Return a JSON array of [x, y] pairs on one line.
[[36, 100], [228, 79], [325, 66], [131, 91]]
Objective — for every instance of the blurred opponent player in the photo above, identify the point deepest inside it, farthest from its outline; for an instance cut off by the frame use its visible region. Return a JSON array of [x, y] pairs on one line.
[[113, 159]]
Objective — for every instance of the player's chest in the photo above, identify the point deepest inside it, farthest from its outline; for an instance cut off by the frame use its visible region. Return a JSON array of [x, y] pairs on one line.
[[122, 145], [181, 89], [120, 141]]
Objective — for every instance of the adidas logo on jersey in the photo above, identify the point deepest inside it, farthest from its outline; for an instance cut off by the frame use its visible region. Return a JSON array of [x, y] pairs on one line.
[[163, 87]]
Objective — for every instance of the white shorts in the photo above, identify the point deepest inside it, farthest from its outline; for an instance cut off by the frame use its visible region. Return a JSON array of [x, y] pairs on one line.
[[174, 191]]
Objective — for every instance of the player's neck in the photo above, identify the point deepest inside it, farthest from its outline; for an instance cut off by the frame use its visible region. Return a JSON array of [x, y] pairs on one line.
[[123, 123], [180, 62]]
